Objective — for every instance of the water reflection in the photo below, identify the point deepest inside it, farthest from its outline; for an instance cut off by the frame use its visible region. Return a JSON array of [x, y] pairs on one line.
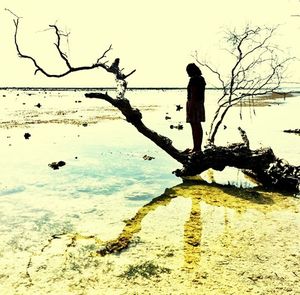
[[192, 236], [211, 206]]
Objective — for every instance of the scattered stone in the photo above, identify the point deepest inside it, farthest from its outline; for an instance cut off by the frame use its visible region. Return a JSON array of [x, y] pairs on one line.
[[85, 124], [38, 105], [78, 101], [61, 163], [178, 107], [27, 135], [148, 158], [54, 166], [167, 117], [179, 126], [57, 165]]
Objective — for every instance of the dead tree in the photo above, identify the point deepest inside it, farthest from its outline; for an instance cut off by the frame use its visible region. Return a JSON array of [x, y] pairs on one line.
[[256, 70], [261, 164], [99, 63]]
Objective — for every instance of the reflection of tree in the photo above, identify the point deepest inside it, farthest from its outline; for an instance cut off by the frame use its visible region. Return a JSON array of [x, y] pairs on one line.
[[133, 225], [192, 229], [192, 236], [215, 195]]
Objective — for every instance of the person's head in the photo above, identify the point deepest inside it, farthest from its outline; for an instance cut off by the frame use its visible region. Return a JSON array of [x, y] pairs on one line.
[[192, 70]]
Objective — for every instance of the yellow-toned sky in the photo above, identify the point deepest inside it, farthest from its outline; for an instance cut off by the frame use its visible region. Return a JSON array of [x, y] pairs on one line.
[[154, 37]]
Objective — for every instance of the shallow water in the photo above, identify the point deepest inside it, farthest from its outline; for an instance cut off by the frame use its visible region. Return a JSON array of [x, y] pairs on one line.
[[198, 237]]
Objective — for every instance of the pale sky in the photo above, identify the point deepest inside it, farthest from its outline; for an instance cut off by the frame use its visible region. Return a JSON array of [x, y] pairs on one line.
[[154, 37]]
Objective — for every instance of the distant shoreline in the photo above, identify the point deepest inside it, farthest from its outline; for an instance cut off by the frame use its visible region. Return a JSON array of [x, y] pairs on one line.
[[88, 88], [292, 88]]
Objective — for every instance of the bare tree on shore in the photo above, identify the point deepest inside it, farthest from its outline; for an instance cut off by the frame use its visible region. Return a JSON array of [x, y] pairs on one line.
[[256, 69]]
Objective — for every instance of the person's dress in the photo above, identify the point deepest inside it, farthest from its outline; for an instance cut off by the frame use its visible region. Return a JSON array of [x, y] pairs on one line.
[[195, 112]]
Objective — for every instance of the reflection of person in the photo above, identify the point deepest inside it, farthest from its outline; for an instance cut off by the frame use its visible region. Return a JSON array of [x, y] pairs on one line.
[[195, 112]]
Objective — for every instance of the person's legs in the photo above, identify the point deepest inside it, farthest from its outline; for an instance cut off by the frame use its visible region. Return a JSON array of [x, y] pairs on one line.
[[197, 133]]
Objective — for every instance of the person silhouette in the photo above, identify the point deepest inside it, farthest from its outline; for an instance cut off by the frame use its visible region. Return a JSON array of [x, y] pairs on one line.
[[195, 111]]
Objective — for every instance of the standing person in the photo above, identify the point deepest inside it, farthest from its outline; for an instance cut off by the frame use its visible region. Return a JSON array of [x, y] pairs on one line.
[[195, 112]]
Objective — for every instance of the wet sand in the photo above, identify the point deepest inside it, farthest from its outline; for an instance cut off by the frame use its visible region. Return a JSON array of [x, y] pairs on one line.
[[194, 239]]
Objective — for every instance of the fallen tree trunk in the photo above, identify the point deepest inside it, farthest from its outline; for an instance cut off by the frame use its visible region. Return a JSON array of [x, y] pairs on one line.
[[261, 164], [134, 116]]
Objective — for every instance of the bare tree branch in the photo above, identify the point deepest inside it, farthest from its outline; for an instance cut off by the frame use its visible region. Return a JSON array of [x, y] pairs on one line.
[[113, 68], [62, 55], [134, 116], [257, 70], [212, 70], [104, 53], [17, 17]]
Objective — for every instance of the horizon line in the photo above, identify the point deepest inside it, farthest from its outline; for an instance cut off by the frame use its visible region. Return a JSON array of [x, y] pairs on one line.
[[96, 87], [110, 88]]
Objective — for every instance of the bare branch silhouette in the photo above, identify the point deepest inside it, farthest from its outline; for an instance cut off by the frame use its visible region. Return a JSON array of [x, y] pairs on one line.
[[113, 68], [257, 70]]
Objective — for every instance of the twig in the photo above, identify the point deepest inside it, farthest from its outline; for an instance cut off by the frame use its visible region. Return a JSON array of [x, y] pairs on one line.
[[244, 136], [12, 13]]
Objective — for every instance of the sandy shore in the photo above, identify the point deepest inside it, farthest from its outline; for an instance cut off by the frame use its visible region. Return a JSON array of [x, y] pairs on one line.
[[194, 239]]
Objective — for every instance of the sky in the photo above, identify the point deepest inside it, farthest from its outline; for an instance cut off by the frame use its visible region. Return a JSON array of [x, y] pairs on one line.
[[157, 37]]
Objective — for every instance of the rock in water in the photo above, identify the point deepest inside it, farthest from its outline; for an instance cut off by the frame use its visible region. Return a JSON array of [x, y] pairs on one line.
[[57, 165], [148, 158], [178, 107], [27, 135], [179, 126], [61, 163]]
